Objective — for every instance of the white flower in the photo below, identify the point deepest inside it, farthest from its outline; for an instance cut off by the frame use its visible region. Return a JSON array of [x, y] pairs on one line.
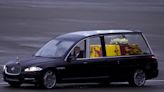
[[119, 41]]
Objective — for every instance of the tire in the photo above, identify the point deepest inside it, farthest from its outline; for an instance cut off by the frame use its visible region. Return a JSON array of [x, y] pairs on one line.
[[138, 78], [49, 80], [14, 84]]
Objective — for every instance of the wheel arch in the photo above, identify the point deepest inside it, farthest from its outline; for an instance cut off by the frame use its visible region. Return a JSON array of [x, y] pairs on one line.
[[54, 70]]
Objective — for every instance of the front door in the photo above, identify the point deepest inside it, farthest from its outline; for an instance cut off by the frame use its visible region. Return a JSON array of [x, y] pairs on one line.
[[91, 64]]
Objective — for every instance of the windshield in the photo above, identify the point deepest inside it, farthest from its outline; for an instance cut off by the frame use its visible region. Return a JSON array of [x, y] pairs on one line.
[[55, 48]]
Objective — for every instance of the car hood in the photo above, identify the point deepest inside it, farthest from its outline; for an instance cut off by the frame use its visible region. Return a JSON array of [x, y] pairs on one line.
[[34, 61]]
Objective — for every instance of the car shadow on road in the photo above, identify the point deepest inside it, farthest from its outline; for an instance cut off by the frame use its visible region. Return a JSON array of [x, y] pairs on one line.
[[81, 86]]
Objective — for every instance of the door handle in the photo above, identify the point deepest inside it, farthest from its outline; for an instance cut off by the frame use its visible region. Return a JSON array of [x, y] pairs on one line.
[[85, 62], [118, 62], [60, 68]]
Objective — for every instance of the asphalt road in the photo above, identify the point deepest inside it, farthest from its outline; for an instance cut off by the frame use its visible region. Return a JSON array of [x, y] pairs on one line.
[[25, 25], [151, 86]]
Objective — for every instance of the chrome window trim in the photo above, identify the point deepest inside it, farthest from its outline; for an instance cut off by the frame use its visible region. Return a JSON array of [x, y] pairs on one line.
[[128, 56]]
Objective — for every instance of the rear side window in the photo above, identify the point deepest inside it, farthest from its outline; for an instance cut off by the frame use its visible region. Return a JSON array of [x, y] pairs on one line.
[[95, 49], [125, 44]]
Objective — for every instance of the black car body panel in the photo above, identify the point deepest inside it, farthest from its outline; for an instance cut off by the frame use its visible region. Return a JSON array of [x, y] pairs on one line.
[[90, 68]]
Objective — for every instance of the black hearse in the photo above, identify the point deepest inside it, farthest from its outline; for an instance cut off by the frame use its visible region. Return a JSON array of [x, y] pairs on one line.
[[101, 56]]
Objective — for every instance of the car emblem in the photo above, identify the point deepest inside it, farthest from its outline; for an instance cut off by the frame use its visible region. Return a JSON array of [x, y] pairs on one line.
[[13, 68], [17, 60]]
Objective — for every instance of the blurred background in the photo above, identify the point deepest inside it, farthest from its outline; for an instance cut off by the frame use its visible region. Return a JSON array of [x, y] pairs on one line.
[[26, 25]]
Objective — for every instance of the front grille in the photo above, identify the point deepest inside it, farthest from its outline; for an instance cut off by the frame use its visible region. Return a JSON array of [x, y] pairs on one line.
[[14, 69]]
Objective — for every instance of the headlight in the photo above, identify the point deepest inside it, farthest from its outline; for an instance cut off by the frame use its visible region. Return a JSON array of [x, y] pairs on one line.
[[33, 69]]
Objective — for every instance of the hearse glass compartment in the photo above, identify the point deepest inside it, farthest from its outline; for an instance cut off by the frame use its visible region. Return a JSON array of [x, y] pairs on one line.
[[126, 44]]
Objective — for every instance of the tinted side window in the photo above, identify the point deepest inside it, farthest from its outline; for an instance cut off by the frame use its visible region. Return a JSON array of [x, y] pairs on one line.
[[79, 50], [125, 44], [95, 47]]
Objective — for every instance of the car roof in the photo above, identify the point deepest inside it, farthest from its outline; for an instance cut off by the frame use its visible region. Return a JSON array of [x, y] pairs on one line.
[[82, 34], [98, 32]]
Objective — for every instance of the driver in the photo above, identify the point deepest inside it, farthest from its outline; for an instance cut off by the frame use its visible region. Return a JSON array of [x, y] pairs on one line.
[[77, 52]]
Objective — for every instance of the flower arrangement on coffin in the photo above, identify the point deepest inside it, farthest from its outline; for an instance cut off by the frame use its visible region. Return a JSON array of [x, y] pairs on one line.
[[119, 41]]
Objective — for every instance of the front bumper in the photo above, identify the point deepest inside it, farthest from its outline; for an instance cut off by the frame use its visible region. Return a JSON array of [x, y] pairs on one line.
[[25, 77]]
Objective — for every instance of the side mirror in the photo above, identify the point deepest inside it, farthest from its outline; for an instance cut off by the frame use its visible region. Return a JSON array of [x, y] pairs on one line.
[[71, 58]]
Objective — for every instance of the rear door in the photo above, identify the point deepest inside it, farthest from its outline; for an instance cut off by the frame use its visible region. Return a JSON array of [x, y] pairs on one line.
[[76, 69], [132, 52], [138, 54]]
